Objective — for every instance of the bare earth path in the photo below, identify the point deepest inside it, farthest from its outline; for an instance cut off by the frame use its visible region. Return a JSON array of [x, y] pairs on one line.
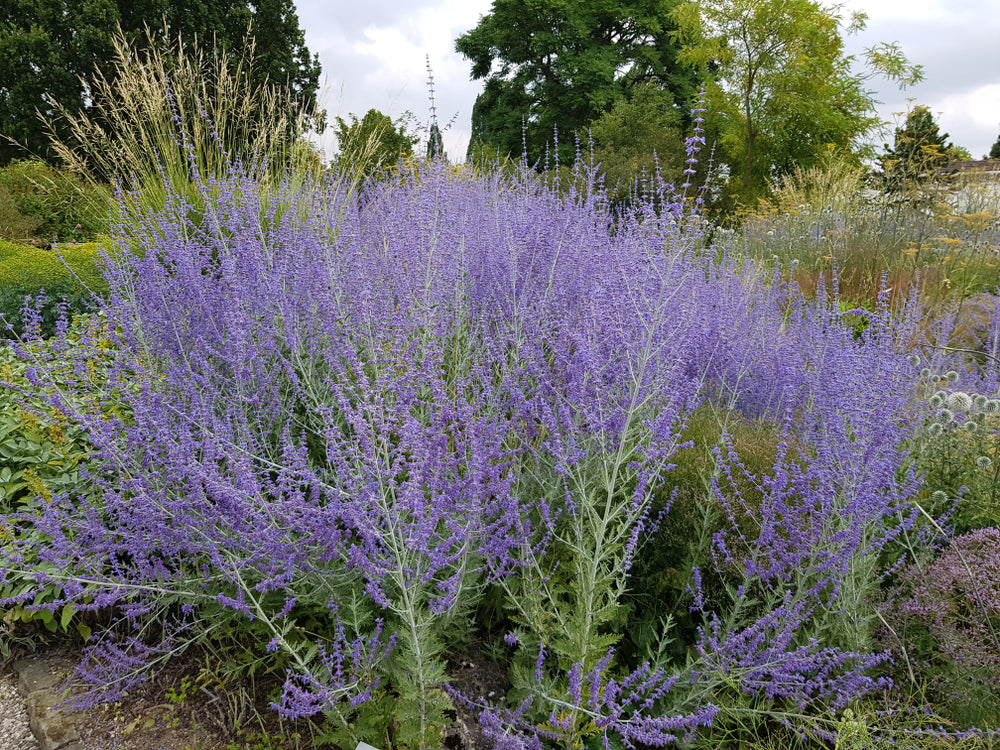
[[14, 731]]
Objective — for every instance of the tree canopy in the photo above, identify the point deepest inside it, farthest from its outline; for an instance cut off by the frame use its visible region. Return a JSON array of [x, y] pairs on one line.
[[784, 90], [639, 136], [47, 48], [918, 150], [551, 64]]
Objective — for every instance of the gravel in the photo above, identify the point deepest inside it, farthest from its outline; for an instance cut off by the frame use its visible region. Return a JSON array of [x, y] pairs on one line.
[[14, 731]]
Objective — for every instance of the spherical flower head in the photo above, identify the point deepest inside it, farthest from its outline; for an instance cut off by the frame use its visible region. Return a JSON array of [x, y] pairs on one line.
[[959, 401], [914, 359], [984, 462], [992, 406], [979, 400], [935, 429], [939, 496], [926, 373], [951, 376], [970, 426], [945, 416], [936, 401]]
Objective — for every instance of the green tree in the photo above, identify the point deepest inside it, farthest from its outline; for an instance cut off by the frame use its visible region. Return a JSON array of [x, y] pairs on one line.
[[639, 136], [45, 47], [919, 150], [50, 51], [435, 143], [784, 90], [995, 150], [551, 64], [373, 143]]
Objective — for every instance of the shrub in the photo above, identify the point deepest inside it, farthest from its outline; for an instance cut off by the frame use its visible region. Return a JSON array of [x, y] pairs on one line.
[[946, 615], [956, 453], [342, 425], [41, 202], [45, 455], [56, 283]]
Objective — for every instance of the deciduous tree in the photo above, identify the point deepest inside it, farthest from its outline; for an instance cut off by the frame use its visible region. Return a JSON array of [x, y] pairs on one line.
[[551, 64], [640, 136], [44, 49], [50, 51], [784, 89]]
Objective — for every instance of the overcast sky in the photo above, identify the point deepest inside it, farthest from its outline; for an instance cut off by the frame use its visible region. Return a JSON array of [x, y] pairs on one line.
[[374, 56]]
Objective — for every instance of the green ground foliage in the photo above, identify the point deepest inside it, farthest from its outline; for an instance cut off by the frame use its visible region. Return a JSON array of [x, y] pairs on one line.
[[65, 275]]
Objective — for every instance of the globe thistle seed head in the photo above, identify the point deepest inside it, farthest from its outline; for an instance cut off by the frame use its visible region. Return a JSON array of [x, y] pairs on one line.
[[970, 426], [935, 429], [980, 417], [984, 462], [951, 376], [959, 401], [913, 359], [926, 373], [992, 406], [946, 416], [979, 400], [939, 496], [935, 401]]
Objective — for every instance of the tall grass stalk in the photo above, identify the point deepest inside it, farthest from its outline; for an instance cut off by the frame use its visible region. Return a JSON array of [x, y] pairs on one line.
[[829, 219], [165, 114]]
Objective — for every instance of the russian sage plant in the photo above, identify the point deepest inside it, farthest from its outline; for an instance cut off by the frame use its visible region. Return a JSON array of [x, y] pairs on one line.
[[365, 412]]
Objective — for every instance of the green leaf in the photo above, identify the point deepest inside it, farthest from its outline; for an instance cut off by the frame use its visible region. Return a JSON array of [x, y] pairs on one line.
[[67, 614]]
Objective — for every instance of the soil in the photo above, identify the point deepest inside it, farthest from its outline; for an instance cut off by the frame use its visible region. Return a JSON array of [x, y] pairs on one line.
[[181, 710]]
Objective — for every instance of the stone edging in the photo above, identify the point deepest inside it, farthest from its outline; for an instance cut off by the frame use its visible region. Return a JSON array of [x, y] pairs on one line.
[[39, 678]]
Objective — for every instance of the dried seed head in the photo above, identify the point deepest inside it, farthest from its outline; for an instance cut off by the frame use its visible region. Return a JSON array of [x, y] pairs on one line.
[[959, 401]]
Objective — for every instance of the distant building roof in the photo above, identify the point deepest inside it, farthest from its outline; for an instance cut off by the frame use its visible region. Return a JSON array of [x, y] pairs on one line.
[[989, 166]]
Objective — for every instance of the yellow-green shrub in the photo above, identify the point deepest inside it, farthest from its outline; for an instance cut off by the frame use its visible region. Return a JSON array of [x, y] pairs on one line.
[[38, 200], [68, 271]]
